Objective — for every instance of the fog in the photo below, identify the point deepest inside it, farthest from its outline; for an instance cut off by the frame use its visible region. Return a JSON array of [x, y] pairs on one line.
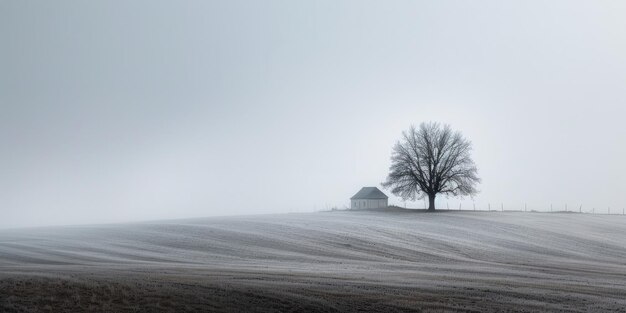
[[125, 111]]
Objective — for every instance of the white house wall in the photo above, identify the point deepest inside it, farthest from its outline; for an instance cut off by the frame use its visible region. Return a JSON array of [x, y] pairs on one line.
[[368, 204]]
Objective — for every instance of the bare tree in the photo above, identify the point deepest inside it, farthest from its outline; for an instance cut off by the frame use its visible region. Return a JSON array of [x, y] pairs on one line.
[[432, 160]]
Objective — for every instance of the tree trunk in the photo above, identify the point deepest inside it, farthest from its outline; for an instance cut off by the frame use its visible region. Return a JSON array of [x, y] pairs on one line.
[[431, 202]]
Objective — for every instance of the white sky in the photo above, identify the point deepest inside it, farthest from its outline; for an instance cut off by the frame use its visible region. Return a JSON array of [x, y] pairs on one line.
[[130, 110]]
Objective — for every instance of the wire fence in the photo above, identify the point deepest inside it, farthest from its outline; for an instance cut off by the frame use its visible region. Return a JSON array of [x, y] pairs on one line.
[[502, 207]]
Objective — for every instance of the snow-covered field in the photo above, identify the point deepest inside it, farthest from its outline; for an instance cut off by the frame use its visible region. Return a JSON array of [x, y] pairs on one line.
[[331, 261]]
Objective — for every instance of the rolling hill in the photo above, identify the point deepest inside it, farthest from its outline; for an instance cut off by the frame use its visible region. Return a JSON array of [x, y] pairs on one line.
[[328, 262]]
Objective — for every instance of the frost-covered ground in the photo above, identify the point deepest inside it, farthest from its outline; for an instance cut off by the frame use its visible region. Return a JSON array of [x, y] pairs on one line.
[[330, 262]]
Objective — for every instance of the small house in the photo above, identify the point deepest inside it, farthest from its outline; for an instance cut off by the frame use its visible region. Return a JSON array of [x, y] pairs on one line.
[[369, 198]]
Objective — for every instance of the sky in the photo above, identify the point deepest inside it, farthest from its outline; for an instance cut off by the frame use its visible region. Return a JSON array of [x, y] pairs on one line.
[[114, 111]]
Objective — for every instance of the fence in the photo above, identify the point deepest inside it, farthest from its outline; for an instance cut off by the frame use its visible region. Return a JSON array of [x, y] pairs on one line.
[[501, 207]]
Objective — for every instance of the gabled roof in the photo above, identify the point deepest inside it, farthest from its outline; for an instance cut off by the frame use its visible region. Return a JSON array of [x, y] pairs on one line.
[[369, 193]]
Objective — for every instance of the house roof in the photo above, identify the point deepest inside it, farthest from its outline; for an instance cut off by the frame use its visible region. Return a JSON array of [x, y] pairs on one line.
[[369, 193]]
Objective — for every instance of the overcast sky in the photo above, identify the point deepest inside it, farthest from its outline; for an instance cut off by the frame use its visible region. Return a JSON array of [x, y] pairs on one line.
[[131, 110]]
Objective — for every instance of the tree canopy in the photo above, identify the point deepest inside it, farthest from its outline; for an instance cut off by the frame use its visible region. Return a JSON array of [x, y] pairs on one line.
[[430, 160]]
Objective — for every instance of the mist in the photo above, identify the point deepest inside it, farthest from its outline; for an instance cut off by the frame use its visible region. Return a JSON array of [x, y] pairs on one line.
[[128, 111]]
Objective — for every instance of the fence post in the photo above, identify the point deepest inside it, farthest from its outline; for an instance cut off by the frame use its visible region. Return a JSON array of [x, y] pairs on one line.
[[489, 205], [502, 206], [580, 210]]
